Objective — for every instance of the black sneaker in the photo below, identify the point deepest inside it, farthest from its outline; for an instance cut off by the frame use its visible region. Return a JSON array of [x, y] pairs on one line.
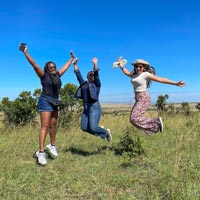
[[160, 124]]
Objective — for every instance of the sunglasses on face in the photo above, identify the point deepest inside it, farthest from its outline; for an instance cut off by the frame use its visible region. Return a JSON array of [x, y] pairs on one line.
[[139, 66], [52, 67], [91, 74]]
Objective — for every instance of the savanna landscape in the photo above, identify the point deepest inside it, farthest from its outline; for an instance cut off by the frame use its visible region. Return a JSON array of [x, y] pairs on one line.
[[133, 166]]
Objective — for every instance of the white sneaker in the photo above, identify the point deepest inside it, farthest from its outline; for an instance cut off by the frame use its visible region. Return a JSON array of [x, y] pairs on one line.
[[41, 158], [160, 124], [109, 136], [52, 150]]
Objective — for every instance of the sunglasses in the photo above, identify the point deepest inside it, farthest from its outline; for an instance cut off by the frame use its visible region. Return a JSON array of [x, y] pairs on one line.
[[91, 74], [139, 66], [52, 67]]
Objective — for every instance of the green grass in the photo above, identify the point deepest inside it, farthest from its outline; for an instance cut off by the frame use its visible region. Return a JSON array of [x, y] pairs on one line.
[[88, 168]]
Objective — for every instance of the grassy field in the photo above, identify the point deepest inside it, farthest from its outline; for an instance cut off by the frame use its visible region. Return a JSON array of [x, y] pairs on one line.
[[89, 168]]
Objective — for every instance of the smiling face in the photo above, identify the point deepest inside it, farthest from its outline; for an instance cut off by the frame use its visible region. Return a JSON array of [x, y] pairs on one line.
[[90, 76], [51, 68], [139, 68]]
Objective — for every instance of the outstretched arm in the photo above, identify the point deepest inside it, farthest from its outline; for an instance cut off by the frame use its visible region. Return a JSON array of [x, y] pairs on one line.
[[167, 81], [67, 64], [124, 70], [37, 69]]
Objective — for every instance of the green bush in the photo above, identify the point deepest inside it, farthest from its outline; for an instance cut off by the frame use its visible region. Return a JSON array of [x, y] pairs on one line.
[[70, 108], [23, 109], [130, 146], [20, 111]]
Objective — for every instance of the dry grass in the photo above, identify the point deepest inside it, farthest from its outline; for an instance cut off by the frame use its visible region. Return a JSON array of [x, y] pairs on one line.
[[88, 168]]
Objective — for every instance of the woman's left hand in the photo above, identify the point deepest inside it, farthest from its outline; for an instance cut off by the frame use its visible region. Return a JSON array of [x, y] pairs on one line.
[[95, 60], [75, 61], [181, 84]]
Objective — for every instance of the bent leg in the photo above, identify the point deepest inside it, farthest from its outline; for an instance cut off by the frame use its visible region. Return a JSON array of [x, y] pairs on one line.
[[94, 118], [137, 117], [85, 121]]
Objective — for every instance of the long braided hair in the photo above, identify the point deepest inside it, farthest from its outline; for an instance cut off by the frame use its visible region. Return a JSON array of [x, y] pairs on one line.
[[54, 77]]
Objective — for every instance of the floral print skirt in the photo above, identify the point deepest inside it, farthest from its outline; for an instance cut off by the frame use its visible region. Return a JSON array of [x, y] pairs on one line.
[[137, 117]]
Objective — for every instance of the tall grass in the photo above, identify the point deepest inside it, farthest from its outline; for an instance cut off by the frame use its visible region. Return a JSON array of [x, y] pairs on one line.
[[89, 168]]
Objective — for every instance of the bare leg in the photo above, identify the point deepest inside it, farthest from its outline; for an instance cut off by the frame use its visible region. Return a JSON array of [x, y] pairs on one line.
[[52, 128], [45, 118]]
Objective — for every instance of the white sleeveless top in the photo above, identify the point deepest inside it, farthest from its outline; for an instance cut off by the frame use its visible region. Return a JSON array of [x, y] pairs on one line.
[[139, 81]]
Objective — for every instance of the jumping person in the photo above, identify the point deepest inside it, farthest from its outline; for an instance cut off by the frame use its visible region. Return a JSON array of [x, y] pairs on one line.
[[141, 77], [89, 91], [48, 103]]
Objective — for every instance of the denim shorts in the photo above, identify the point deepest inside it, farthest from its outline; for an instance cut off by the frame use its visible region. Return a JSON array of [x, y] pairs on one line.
[[44, 106]]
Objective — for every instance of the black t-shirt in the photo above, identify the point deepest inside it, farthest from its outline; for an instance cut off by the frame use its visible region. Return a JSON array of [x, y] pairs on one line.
[[51, 85]]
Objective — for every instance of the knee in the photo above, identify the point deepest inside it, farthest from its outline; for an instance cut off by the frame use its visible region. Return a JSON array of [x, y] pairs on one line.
[[133, 120], [93, 129], [45, 128], [52, 126], [53, 123]]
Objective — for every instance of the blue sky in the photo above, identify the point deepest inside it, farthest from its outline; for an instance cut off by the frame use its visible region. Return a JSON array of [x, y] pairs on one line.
[[165, 33]]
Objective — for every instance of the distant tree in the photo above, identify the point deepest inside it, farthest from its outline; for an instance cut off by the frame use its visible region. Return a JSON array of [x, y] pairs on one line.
[[161, 102], [171, 108], [185, 107], [198, 106]]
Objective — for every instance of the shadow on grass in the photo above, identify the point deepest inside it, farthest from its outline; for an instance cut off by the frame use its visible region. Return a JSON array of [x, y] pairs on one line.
[[81, 152]]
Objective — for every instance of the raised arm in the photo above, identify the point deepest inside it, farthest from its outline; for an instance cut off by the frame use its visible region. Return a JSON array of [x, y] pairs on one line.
[[167, 81], [95, 64], [37, 69], [96, 72], [65, 67], [124, 70], [77, 72], [75, 64]]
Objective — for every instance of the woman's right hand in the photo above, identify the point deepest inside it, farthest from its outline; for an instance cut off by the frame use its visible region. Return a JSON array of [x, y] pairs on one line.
[[72, 54], [120, 59], [120, 63], [94, 61], [23, 48]]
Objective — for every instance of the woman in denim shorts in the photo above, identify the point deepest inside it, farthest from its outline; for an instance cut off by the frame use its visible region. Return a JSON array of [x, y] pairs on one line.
[[48, 103]]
